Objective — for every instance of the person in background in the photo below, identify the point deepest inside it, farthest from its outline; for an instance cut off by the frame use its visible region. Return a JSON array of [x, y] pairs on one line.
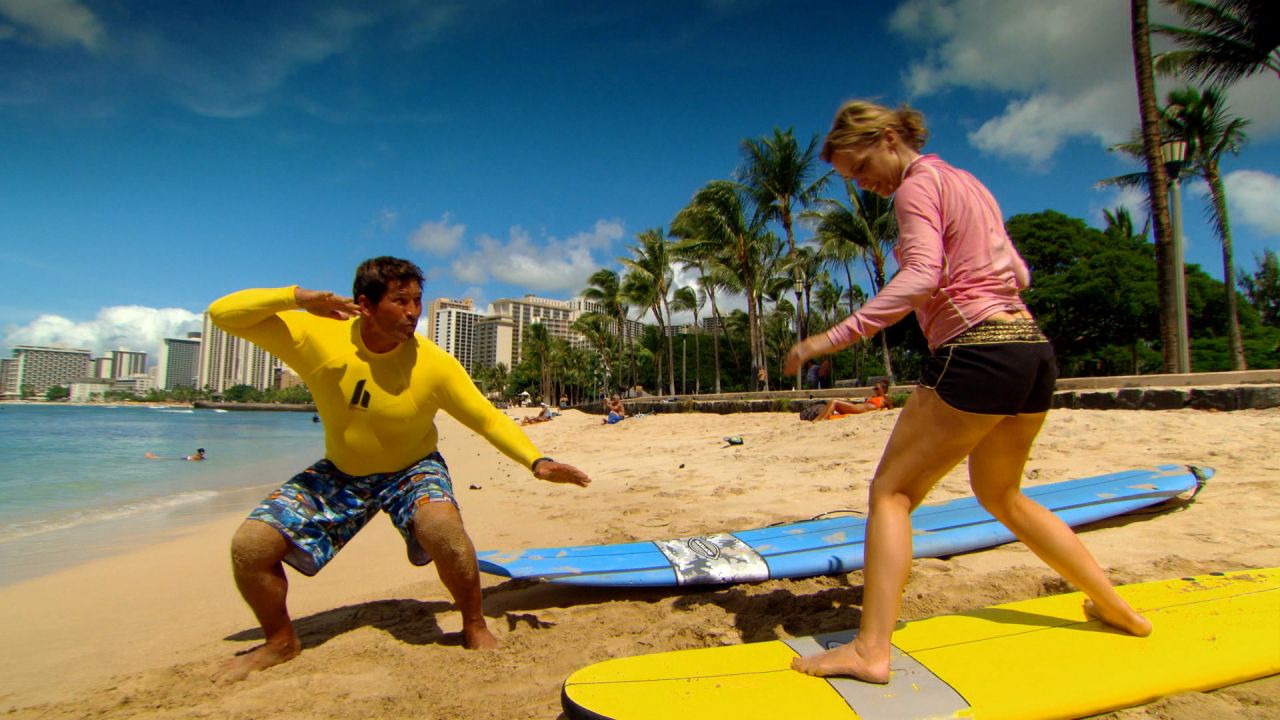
[[833, 409], [377, 386], [983, 394]]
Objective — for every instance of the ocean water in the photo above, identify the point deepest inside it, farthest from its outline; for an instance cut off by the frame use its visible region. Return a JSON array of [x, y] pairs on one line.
[[75, 479]]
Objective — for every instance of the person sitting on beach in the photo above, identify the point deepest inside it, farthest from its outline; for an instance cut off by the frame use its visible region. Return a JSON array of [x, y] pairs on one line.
[[983, 393], [615, 411], [541, 417], [833, 409], [377, 386]]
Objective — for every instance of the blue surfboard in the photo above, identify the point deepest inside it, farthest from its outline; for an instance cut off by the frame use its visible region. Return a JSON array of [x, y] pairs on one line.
[[832, 545]]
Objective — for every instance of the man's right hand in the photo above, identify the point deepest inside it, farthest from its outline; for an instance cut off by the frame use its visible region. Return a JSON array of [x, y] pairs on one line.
[[325, 304]]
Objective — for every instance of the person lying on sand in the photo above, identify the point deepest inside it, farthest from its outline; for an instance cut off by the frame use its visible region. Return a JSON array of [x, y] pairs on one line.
[[834, 409], [544, 416], [377, 386]]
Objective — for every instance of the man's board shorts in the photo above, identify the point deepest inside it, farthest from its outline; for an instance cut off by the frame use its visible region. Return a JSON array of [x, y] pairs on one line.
[[321, 508], [994, 368]]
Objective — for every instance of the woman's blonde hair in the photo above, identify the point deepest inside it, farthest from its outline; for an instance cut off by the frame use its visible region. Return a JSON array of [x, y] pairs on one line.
[[859, 122]]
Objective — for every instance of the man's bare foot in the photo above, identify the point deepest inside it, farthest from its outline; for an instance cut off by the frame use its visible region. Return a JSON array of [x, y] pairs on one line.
[[844, 660], [259, 658], [1125, 620], [478, 638]]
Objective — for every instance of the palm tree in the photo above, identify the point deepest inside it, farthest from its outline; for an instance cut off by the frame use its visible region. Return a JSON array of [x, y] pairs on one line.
[[605, 289], [649, 282], [594, 328], [1171, 338], [866, 227], [538, 348], [1202, 119], [687, 299], [1224, 41], [776, 172], [715, 224]]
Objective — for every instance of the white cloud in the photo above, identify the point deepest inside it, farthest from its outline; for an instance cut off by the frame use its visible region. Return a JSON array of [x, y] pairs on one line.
[[123, 327], [547, 264], [438, 238], [51, 23], [1065, 67], [385, 219], [1251, 199]]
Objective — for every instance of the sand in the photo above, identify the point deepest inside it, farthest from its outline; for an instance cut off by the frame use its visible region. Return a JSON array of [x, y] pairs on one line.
[[138, 633]]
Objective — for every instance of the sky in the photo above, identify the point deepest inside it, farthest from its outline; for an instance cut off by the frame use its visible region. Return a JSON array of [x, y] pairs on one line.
[[156, 155]]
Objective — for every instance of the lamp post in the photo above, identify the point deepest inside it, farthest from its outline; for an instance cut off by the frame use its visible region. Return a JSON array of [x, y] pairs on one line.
[[1174, 154]]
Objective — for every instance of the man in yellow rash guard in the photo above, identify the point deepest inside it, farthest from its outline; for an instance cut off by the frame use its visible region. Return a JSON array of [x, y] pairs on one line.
[[377, 386]]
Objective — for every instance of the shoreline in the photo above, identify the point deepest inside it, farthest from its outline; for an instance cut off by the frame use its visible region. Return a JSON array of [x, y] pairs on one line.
[[164, 614]]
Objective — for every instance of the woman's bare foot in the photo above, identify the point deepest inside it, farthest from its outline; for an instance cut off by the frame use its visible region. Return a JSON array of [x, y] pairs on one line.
[[259, 658], [844, 660], [1125, 619], [478, 638]]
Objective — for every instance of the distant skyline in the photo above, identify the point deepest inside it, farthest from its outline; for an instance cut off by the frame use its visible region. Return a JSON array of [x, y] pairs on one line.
[[158, 155]]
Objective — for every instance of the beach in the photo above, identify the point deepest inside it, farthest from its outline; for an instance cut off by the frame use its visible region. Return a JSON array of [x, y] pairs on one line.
[[137, 633]]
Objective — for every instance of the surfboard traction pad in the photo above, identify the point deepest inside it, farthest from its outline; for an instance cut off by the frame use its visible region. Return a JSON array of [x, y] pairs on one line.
[[912, 691], [713, 559]]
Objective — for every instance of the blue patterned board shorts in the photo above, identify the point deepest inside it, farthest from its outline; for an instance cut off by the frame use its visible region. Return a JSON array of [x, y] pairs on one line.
[[321, 508]]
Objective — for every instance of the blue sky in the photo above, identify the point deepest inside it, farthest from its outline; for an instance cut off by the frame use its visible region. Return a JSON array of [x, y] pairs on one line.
[[155, 155]]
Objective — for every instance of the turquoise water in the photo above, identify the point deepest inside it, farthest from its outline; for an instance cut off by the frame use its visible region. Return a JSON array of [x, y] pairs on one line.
[[68, 472]]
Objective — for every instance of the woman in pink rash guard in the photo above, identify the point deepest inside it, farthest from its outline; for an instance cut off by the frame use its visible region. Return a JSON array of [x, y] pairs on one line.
[[983, 393]]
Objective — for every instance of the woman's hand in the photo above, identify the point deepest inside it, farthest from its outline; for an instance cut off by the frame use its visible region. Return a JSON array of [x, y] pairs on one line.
[[805, 349]]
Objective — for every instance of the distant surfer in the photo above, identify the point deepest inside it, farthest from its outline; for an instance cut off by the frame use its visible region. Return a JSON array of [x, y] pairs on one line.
[[983, 393], [196, 456], [377, 386]]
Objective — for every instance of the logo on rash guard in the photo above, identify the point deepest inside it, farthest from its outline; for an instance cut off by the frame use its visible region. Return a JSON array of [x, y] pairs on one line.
[[360, 396]]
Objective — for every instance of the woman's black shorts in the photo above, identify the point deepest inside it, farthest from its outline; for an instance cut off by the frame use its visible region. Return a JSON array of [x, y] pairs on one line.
[[994, 368]]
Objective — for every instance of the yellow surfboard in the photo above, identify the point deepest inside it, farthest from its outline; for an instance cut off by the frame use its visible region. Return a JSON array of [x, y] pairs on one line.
[[1041, 658]]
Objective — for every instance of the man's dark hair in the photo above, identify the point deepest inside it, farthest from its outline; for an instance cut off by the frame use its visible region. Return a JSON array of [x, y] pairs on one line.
[[375, 274]]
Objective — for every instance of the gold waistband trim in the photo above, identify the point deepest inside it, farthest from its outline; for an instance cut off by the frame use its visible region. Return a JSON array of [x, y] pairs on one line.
[[990, 332]]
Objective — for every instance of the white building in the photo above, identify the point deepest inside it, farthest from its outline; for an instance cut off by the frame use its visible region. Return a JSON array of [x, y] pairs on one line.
[[35, 369], [226, 361]]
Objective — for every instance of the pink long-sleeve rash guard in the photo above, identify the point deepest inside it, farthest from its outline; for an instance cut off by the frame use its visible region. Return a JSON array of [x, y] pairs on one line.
[[957, 266]]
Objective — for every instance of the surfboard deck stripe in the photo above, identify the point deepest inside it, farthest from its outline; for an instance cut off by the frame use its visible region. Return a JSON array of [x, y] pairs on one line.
[[1040, 658], [831, 545]]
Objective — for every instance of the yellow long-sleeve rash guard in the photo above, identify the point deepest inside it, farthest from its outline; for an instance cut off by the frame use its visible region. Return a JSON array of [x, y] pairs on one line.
[[378, 408]]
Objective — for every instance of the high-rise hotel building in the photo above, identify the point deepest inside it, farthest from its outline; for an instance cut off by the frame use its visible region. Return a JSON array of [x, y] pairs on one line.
[[34, 369], [451, 324], [179, 364], [226, 361]]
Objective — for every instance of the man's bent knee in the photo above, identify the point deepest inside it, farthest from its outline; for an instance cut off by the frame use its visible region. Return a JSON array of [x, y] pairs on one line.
[[257, 544]]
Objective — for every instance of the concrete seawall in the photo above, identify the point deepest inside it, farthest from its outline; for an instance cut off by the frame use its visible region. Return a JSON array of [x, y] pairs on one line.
[[1224, 391]]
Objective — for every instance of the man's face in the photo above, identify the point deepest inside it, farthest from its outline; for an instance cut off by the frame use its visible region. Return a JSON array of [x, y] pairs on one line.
[[395, 316]]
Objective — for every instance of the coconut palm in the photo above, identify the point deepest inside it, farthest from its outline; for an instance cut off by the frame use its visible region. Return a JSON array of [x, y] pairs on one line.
[[866, 227], [648, 283], [715, 224], [1203, 120], [780, 178], [688, 299], [1171, 337], [605, 289], [1224, 41], [596, 329]]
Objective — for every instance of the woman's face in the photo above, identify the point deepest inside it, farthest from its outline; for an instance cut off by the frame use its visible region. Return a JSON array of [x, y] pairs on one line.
[[876, 166]]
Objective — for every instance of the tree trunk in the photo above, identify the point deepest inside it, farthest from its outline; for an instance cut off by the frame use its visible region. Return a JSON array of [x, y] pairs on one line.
[[1159, 184], [1219, 193]]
